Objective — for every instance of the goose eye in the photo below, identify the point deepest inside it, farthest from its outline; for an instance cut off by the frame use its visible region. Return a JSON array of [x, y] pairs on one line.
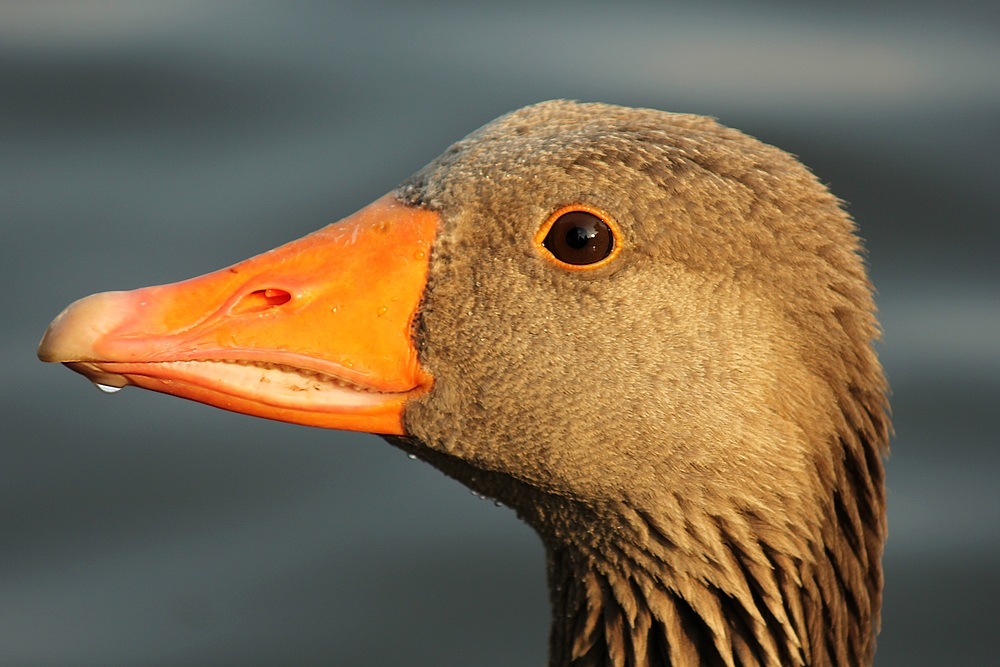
[[579, 238]]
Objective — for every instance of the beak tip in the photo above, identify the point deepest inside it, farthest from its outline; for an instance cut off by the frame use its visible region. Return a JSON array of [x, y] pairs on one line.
[[45, 348], [52, 348], [72, 334]]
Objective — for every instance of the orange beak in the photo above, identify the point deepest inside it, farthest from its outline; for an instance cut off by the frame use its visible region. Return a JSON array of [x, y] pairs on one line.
[[316, 332]]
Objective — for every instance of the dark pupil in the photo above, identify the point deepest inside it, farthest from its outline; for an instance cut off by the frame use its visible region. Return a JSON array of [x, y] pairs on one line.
[[579, 238]]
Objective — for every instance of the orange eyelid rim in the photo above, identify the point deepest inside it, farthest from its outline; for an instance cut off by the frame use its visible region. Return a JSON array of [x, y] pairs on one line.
[[543, 231]]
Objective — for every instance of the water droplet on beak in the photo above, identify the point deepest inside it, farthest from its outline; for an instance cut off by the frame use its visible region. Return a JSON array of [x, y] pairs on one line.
[[106, 388]]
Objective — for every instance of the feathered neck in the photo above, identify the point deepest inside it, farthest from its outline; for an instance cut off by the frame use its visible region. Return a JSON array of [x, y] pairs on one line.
[[727, 588], [699, 586]]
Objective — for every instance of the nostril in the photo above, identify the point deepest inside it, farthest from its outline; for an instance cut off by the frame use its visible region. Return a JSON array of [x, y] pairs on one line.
[[261, 299], [276, 297]]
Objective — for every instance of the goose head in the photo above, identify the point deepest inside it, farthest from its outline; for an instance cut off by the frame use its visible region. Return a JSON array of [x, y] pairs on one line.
[[647, 333]]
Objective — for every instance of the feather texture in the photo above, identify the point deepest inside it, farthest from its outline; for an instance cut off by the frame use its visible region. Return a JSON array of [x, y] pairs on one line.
[[695, 430]]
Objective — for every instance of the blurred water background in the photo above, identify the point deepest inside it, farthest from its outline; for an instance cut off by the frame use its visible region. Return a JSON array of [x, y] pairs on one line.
[[147, 142]]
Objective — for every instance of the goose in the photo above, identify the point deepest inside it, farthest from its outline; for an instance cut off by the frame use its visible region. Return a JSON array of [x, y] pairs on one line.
[[648, 334]]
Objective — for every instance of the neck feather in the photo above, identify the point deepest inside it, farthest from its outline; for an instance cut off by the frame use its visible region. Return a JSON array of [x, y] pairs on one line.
[[713, 582], [753, 597]]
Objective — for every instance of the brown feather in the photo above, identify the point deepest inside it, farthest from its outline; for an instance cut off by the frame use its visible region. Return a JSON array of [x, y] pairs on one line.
[[695, 430]]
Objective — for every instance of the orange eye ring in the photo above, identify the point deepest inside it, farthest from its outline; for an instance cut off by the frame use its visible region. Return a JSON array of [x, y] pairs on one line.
[[542, 238]]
